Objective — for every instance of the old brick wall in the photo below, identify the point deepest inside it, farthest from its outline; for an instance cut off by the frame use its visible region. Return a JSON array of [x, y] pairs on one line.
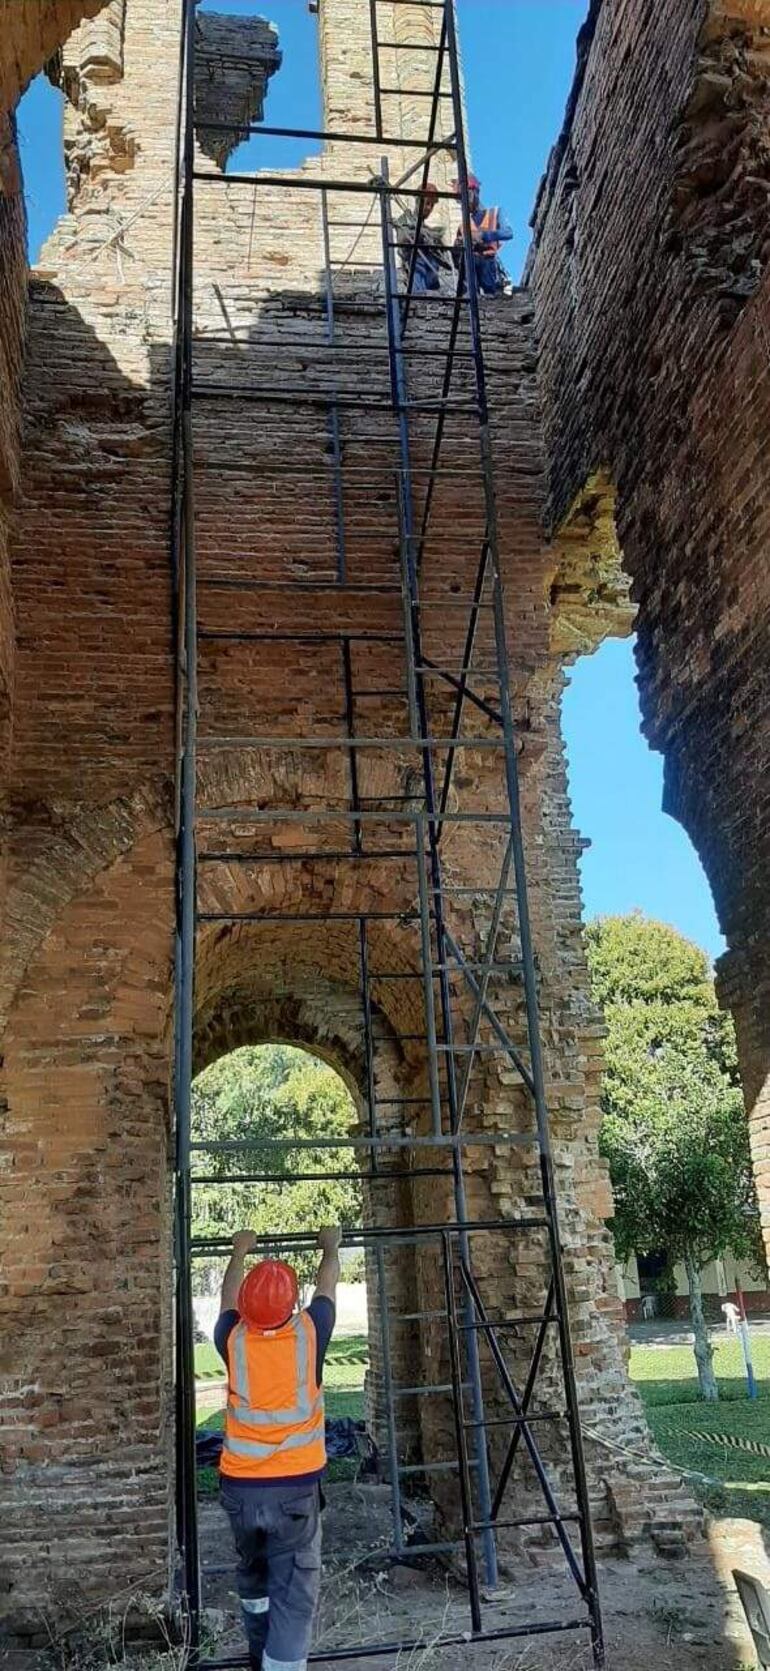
[[30, 32], [648, 270], [86, 1373], [86, 972]]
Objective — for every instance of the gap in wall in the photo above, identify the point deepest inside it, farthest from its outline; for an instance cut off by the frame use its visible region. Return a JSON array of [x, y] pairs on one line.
[[40, 131], [639, 857], [293, 97]]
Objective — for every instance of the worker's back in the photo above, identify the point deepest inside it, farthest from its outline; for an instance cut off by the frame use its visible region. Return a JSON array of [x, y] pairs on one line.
[[274, 1425]]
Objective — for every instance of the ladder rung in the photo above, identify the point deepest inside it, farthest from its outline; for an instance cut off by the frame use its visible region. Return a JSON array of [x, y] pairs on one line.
[[313, 856], [415, 93], [426, 1392], [508, 1322], [517, 1421], [432, 1467], [524, 1520], [407, 46], [417, 1316]]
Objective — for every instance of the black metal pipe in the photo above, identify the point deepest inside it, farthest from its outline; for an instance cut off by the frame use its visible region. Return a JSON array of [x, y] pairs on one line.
[[328, 135], [295, 182], [517, 847], [461, 1437], [376, 84], [333, 418], [526, 1399], [384, 1233], [184, 956], [421, 725], [312, 855], [392, 1650], [281, 1179], [415, 250], [534, 1454]]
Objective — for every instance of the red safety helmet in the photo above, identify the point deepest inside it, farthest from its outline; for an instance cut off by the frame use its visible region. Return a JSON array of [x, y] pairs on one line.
[[473, 184], [268, 1295]]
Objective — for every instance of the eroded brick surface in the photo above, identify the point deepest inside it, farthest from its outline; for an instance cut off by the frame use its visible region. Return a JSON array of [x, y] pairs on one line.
[[86, 970], [648, 272]]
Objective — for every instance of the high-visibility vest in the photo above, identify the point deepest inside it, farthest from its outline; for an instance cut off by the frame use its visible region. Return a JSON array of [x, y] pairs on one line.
[[489, 222], [274, 1423]]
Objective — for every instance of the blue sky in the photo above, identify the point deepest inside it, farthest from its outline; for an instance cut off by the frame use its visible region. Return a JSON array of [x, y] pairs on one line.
[[519, 57]]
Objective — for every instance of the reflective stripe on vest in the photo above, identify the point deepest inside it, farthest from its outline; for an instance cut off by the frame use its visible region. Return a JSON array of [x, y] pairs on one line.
[[252, 1447], [287, 1439], [489, 222]]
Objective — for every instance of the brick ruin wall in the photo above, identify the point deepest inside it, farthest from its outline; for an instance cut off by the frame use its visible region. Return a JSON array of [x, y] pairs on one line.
[[649, 274], [86, 967]]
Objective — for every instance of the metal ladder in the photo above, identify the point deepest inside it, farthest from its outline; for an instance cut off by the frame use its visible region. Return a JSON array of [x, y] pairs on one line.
[[463, 1024]]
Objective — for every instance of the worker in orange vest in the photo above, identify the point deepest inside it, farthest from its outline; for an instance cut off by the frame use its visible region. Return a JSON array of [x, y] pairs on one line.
[[489, 230], [274, 1450]]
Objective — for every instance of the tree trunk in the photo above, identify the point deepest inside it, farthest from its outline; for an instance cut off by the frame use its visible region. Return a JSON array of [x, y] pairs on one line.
[[704, 1352]]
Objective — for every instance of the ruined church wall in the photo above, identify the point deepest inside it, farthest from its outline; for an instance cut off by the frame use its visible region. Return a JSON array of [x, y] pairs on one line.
[[86, 972], [31, 32], [652, 300]]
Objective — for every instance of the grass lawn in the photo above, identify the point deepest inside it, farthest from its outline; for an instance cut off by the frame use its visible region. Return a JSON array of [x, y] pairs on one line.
[[666, 1378]]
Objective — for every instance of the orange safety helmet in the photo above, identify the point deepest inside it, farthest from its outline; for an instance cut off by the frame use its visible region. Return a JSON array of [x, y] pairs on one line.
[[268, 1295]]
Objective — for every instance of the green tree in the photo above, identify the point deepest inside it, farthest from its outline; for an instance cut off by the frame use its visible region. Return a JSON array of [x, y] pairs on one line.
[[674, 1127], [263, 1096]]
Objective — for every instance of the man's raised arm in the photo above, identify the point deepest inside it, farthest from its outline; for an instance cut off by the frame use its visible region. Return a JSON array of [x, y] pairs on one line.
[[329, 1268], [244, 1241]]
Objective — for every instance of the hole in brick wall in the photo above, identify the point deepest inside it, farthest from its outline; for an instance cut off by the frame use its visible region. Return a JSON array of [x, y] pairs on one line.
[[294, 93], [40, 128], [639, 857]]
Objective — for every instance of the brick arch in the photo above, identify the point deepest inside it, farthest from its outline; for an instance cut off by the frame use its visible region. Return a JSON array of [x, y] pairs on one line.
[[61, 864], [298, 984]]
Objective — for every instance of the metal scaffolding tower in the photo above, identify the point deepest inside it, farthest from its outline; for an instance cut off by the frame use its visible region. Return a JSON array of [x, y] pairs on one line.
[[407, 446]]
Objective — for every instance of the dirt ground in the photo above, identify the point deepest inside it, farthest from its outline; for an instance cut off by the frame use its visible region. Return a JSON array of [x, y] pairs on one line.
[[659, 1616]]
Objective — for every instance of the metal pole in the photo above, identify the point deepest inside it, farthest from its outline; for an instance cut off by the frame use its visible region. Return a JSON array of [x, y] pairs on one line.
[[184, 959], [387, 1379], [429, 997], [334, 416], [376, 85], [417, 684], [519, 867], [466, 1492]]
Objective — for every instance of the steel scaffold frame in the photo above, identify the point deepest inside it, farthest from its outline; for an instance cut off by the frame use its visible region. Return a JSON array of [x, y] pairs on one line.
[[454, 1047]]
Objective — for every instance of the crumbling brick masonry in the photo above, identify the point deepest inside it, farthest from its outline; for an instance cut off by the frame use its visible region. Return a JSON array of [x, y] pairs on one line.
[[615, 396]]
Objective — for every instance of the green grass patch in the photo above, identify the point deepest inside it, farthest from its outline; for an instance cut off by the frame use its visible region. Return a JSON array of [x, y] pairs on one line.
[[208, 1364], [667, 1374], [738, 1481]]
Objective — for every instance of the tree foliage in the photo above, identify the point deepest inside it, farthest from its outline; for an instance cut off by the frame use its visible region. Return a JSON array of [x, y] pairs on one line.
[[674, 1127], [260, 1095]]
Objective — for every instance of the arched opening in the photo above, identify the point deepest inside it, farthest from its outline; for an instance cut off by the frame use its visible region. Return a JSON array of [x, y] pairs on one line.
[[639, 857], [257, 1098]]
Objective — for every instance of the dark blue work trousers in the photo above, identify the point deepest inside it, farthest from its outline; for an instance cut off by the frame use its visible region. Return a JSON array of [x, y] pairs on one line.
[[277, 1531]]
